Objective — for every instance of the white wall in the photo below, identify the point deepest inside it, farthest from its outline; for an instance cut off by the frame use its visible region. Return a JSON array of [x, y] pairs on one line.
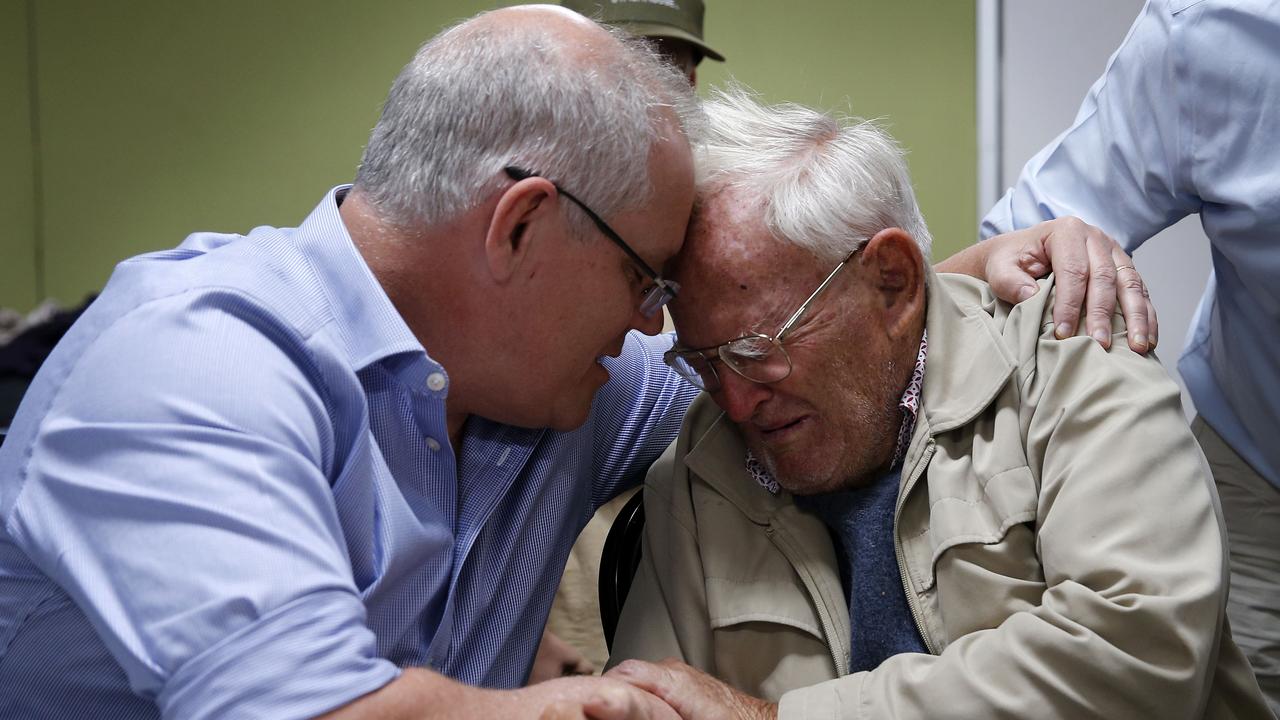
[[1052, 51]]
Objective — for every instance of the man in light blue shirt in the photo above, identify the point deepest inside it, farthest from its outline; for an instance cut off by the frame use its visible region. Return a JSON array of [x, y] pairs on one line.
[[1186, 119], [291, 473]]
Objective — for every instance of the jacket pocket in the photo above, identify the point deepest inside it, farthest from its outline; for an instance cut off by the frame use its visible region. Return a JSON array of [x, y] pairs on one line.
[[733, 602], [964, 510], [767, 637], [977, 563]]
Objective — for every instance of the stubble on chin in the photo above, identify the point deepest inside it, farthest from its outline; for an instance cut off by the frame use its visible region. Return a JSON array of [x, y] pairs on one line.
[[797, 481], [849, 455]]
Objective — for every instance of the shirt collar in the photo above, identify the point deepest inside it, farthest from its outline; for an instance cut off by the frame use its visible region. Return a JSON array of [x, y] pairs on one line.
[[366, 322], [909, 403]]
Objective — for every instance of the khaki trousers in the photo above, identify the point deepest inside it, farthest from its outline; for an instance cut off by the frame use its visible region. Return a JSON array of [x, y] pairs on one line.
[[1251, 507]]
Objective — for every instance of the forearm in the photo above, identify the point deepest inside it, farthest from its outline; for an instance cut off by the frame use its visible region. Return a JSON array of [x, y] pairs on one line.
[[1035, 664], [970, 261], [418, 694]]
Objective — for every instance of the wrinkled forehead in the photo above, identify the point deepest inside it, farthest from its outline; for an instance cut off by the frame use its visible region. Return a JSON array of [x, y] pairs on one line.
[[735, 275]]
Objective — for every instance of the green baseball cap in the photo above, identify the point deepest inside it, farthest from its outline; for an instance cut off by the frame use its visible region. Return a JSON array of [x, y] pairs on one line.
[[675, 19]]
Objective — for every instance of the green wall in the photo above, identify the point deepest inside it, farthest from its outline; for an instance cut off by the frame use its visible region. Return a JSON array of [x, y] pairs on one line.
[[908, 63], [159, 118], [18, 236]]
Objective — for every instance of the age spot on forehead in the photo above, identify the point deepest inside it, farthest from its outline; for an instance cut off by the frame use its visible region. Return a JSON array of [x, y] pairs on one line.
[[742, 287]]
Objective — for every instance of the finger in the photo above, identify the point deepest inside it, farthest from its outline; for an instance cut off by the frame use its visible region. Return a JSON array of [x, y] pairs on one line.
[[1153, 323], [1014, 263], [639, 673], [666, 680], [1033, 260], [614, 702], [1070, 259], [1133, 302], [1012, 283], [1100, 298]]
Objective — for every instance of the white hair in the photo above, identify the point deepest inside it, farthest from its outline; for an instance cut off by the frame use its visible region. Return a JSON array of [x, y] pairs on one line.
[[826, 183], [476, 99]]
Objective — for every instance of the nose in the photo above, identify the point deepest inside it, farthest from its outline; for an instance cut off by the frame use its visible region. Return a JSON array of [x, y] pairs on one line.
[[738, 396]]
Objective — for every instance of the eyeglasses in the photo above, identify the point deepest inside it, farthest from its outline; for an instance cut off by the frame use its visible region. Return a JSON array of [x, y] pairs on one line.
[[756, 357], [657, 295]]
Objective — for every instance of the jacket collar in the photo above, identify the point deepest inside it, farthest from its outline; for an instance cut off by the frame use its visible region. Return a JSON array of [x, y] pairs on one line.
[[719, 458], [968, 362]]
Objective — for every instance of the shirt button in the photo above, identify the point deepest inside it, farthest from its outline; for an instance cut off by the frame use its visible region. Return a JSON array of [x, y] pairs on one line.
[[433, 444], [436, 381]]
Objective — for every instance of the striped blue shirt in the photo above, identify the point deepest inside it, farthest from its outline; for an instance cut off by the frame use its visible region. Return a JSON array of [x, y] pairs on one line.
[[230, 492]]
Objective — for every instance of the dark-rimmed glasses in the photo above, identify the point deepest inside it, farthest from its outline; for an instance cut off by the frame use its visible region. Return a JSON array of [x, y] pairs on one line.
[[657, 295], [757, 357]]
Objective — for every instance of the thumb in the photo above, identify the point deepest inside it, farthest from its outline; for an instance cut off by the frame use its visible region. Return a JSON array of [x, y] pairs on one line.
[[1012, 283]]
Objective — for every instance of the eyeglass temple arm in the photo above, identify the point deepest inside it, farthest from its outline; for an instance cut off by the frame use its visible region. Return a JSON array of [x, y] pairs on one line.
[[786, 326], [516, 173]]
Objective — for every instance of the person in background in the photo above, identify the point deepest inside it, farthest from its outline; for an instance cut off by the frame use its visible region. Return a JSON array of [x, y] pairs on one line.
[[900, 497], [673, 27], [1186, 120]]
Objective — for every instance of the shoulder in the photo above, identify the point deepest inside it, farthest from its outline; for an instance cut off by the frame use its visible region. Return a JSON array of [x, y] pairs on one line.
[[669, 483], [195, 357], [1016, 328], [263, 273]]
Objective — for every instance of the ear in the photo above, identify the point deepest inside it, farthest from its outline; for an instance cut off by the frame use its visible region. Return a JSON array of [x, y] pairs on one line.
[[518, 218], [895, 268]]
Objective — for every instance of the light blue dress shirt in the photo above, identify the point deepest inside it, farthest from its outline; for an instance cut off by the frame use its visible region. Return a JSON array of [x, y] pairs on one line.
[[230, 492], [1186, 119]]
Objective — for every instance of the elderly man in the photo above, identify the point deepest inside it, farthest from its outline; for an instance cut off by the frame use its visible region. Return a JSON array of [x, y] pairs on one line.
[[294, 473], [902, 498]]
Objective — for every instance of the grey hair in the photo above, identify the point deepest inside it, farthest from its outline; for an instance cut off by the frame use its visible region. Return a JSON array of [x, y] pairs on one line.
[[826, 183], [476, 99]]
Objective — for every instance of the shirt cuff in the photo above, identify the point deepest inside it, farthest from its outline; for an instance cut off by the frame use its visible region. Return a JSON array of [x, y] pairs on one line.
[[303, 659]]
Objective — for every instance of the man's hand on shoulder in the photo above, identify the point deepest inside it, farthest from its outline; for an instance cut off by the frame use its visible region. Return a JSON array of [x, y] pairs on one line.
[[1091, 272], [693, 693]]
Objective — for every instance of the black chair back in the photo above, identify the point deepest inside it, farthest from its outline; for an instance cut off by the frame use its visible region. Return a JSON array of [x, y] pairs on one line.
[[618, 562]]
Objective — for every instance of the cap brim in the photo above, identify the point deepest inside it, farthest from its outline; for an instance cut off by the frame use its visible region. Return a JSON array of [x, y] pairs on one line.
[[656, 30]]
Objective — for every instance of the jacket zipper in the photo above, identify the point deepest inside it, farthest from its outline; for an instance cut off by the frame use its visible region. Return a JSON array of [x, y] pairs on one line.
[[790, 551], [912, 601]]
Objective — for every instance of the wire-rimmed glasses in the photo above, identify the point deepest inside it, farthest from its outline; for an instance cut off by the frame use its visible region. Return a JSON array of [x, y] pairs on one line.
[[757, 357]]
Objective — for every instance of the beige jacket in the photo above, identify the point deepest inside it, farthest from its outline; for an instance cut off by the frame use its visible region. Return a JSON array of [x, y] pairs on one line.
[[1057, 534]]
